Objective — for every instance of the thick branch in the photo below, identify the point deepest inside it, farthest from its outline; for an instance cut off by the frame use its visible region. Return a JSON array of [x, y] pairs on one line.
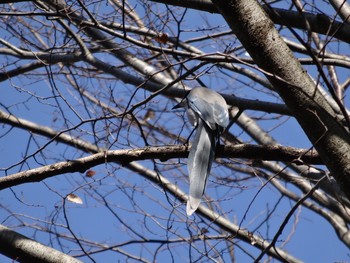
[[23, 249], [123, 157], [318, 23], [343, 9]]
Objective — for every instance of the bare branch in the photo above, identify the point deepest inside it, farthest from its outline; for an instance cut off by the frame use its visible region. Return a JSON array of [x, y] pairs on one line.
[[23, 249]]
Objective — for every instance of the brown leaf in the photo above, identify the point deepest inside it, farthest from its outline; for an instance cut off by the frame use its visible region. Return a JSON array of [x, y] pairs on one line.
[[90, 173], [162, 38], [74, 199], [149, 115]]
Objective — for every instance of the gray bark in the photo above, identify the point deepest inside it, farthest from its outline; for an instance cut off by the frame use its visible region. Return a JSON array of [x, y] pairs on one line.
[[23, 249], [343, 8]]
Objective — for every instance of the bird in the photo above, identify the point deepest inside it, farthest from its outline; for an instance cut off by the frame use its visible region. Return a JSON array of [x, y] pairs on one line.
[[208, 112]]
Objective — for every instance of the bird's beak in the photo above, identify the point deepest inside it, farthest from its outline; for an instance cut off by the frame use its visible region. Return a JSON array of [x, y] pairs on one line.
[[179, 105]]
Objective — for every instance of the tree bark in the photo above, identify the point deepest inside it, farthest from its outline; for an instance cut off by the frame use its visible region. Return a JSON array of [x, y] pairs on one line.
[[23, 249], [257, 33]]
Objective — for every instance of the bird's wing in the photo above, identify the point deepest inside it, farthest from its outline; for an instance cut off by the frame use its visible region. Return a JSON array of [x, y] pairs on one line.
[[204, 110], [221, 116], [210, 113]]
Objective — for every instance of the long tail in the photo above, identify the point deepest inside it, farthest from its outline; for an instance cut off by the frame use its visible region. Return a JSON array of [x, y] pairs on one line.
[[199, 163]]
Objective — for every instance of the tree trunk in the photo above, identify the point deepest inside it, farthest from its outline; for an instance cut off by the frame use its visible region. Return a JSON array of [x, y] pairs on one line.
[[257, 33]]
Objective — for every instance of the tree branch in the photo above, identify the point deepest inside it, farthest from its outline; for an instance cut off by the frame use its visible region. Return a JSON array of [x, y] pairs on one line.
[[318, 23], [23, 249], [123, 157]]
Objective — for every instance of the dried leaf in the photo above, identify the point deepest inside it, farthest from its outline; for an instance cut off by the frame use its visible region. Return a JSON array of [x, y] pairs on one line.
[[162, 38], [149, 115], [90, 173], [204, 231], [74, 199]]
